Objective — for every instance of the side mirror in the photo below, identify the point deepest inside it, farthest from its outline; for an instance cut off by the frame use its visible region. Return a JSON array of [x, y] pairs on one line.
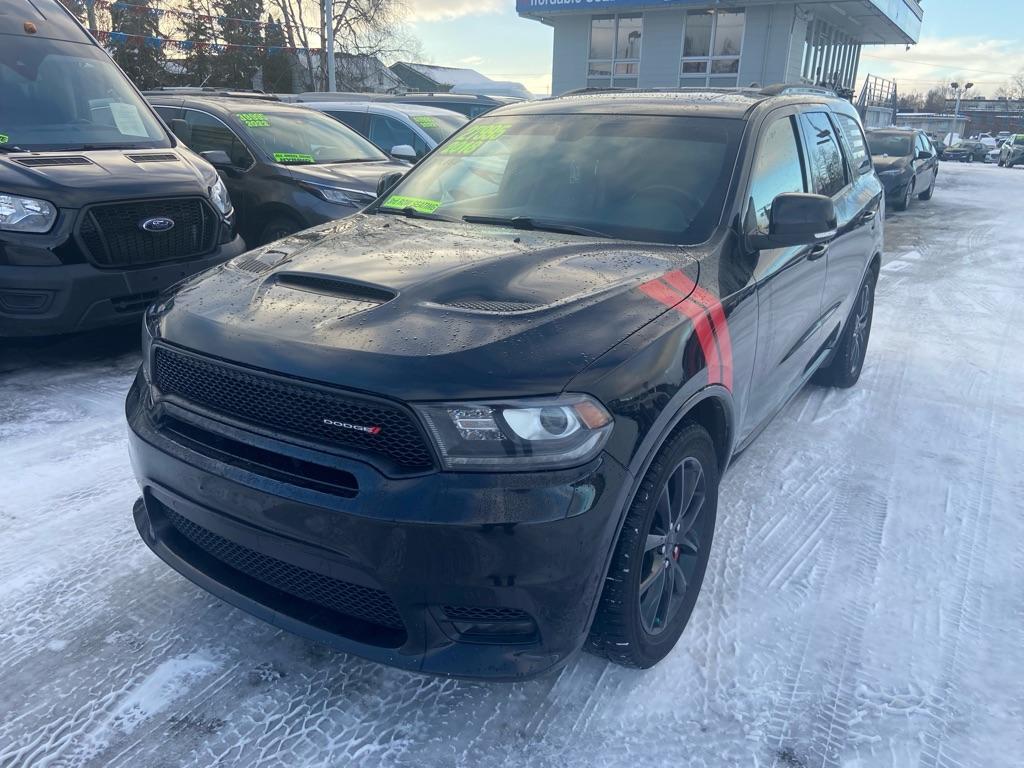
[[923, 155], [404, 152], [182, 130], [797, 219], [218, 158], [387, 181]]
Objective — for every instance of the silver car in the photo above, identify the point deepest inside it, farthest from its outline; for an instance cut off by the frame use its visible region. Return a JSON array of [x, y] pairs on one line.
[[1012, 151]]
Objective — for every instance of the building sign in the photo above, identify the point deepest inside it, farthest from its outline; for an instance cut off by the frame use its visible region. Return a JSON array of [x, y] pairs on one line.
[[555, 6]]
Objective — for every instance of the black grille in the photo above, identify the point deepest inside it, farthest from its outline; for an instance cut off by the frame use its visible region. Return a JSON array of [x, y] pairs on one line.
[[366, 603], [484, 305], [293, 407], [484, 613], [113, 236]]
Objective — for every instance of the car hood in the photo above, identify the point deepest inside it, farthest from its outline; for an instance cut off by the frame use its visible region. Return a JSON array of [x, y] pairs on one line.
[[74, 179], [887, 163], [362, 176], [422, 310]]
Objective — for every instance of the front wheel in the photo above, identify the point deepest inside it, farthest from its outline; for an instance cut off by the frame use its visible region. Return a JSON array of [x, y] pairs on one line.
[[661, 555], [904, 202], [277, 228], [844, 369]]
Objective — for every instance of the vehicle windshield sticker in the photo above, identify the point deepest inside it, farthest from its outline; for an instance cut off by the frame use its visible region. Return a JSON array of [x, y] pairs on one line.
[[4, 138], [254, 119], [416, 203], [293, 157], [425, 121], [470, 139], [127, 119]]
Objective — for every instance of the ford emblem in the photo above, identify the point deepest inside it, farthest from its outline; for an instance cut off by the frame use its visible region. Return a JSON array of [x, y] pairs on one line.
[[157, 224]]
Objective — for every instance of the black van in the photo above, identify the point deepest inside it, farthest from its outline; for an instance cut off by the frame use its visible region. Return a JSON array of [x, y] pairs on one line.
[[100, 207]]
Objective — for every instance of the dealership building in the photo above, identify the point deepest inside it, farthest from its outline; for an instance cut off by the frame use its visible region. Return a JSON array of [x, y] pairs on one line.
[[672, 43]]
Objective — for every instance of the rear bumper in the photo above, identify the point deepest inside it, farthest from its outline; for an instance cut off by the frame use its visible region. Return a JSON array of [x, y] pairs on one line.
[[37, 301], [490, 576]]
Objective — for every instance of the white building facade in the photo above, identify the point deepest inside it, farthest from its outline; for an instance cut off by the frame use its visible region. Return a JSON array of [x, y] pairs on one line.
[[681, 43]]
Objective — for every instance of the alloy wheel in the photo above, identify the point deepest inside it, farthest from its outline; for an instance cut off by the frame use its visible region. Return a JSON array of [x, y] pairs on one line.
[[861, 326], [672, 546]]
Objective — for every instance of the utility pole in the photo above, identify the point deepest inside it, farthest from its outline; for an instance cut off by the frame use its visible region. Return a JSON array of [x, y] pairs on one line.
[[332, 83]]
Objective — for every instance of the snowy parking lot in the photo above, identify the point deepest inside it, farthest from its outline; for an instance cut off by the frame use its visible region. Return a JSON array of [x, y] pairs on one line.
[[864, 605]]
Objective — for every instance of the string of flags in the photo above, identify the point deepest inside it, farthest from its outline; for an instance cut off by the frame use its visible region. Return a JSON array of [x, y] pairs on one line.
[[115, 37], [225, 21]]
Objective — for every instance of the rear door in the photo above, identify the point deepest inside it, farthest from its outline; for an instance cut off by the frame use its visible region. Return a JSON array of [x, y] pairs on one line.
[[789, 281]]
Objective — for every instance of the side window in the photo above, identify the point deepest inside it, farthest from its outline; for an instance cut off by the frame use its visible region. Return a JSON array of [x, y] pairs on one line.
[[827, 167], [354, 120], [168, 113], [387, 132], [208, 133], [777, 169], [856, 144]]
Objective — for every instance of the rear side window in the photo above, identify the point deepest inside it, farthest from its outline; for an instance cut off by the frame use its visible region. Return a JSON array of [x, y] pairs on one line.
[[354, 120], [777, 169], [827, 167], [388, 133], [207, 133], [856, 144]]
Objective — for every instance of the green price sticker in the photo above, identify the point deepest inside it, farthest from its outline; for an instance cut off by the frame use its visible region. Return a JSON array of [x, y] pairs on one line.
[[254, 119], [469, 140], [293, 157], [425, 121], [416, 203], [4, 138]]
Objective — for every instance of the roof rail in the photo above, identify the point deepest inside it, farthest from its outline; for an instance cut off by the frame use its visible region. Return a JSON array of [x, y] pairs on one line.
[[784, 89], [234, 93]]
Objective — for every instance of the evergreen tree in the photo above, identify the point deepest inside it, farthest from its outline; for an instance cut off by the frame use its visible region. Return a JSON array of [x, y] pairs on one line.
[[136, 43], [235, 67], [277, 64], [199, 30], [77, 7]]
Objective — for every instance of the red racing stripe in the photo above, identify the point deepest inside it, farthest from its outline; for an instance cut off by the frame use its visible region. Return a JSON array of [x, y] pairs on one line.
[[664, 294], [721, 326]]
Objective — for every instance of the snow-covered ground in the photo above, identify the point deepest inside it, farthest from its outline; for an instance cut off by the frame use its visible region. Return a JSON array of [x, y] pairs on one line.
[[864, 605]]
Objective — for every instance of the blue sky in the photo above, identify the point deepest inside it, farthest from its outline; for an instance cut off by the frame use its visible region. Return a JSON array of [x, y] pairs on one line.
[[959, 40]]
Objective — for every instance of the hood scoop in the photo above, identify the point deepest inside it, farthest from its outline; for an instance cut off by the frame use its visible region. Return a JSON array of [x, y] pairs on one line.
[[158, 157], [337, 287], [492, 307], [50, 162]]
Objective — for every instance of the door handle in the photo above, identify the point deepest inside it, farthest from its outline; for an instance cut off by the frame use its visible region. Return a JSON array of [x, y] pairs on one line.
[[817, 252], [868, 216]]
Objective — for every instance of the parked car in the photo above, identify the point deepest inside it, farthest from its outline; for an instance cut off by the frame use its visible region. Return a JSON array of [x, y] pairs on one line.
[[287, 167], [966, 151], [100, 207], [1001, 137], [938, 144], [992, 156], [906, 163], [1012, 151], [465, 104], [395, 126], [471, 434]]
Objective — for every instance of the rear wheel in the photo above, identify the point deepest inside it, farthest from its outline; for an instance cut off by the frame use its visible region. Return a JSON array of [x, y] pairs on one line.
[[278, 227], [844, 369], [927, 194], [661, 555]]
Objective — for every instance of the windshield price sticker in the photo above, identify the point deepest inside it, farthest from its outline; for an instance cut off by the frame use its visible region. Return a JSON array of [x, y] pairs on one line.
[[127, 119], [472, 138], [416, 203], [254, 119], [293, 157], [425, 121], [4, 138]]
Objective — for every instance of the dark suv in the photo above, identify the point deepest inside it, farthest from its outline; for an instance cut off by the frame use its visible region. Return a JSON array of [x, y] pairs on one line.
[[286, 167], [481, 425], [100, 207], [906, 162]]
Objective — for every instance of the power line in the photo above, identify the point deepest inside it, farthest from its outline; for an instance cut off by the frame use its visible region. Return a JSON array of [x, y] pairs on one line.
[[937, 65]]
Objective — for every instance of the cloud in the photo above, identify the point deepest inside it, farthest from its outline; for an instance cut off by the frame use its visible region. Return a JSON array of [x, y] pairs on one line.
[[987, 62], [470, 61], [439, 10]]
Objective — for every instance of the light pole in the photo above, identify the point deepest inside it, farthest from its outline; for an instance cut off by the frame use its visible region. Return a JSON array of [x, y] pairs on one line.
[[959, 91], [332, 84]]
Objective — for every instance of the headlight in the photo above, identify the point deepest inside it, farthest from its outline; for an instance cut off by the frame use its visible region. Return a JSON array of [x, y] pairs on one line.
[[219, 197], [26, 214], [353, 198], [518, 435]]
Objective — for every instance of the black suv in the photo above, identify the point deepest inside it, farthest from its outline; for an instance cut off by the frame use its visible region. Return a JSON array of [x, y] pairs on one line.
[[906, 162], [481, 425], [286, 167], [100, 207]]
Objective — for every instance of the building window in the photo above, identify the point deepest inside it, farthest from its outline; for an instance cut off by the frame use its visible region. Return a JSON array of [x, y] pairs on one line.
[[614, 51], [712, 45]]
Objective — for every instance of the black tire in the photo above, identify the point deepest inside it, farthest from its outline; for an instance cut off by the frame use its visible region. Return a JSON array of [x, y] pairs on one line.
[[843, 370], [927, 194], [999, 163], [278, 227], [619, 632], [970, 158], [903, 203]]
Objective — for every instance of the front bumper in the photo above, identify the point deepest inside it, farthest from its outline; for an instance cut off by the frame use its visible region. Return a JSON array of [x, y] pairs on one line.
[[895, 186], [491, 576], [36, 301]]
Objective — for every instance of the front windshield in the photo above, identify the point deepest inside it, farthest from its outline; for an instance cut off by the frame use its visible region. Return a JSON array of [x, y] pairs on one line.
[[1019, 140], [639, 177], [304, 137], [439, 126], [891, 144], [57, 95]]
